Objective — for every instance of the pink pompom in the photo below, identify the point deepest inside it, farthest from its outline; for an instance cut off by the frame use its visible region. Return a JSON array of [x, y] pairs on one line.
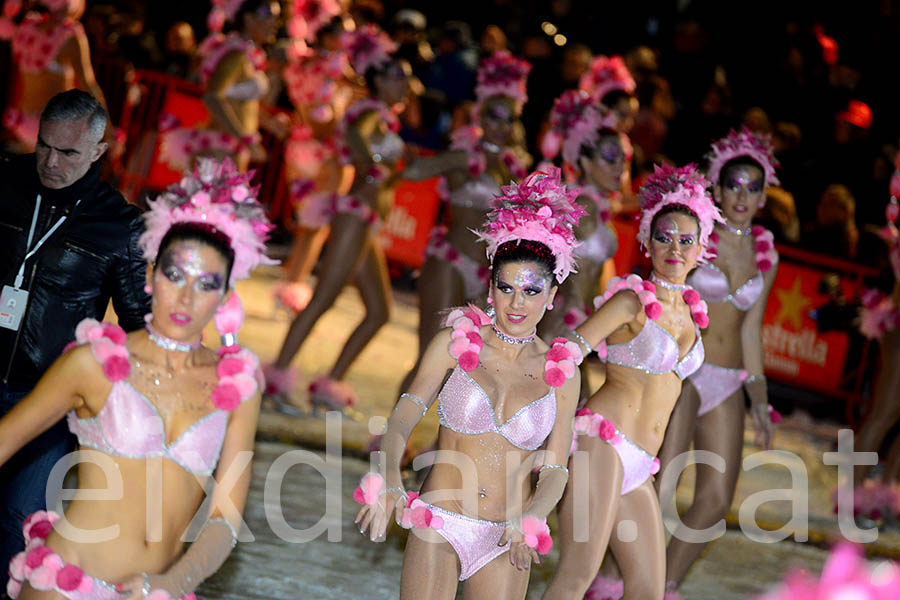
[[229, 366], [764, 265], [468, 361], [230, 315], [557, 353], [607, 430], [464, 324], [714, 237], [774, 415], [215, 21], [646, 297], [13, 588], [159, 595], [87, 585], [17, 566], [757, 230], [475, 338], [41, 529], [653, 310], [369, 489], [567, 367], [545, 543], [69, 578], [763, 246], [459, 346], [691, 296], [117, 368], [649, 286], [654, 467], [84, 329], [583, 412], [52, 562], [701, 319], [245, 384], [69, 346], [114, 333], [226, 397], [554, 377], [892, 212], [42, 578]]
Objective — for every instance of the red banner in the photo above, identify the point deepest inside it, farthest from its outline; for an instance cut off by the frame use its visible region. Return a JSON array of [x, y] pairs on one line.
[[404, 234], [793, 349]]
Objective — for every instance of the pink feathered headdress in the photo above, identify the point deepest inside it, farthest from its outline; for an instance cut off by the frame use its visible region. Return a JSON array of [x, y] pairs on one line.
[[368, 47], [223, 11], [575, 121], [541, 209], [743, 143], [607, 73], [218, 195], [309, 16], [502, 74], [684, 186]]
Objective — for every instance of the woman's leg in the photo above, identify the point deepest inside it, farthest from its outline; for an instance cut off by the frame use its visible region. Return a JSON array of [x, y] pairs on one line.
[[600, 493], [639, 544], [497, 580], [374, 287], [430, 568], [885, 409], [720, 431], [440, 286], [304, 252], [342, 257]]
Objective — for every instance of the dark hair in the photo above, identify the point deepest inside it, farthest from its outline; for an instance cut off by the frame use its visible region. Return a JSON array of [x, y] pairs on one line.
[[247, 7], [203, 233], [382, 69], [611, 98], [515, 251], [680, 209], [73, 105], [740, 161]]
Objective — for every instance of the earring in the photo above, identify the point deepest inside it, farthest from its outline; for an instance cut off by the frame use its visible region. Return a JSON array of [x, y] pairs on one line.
[[228, 319], [490, 300], [148, 289], [550, 306]]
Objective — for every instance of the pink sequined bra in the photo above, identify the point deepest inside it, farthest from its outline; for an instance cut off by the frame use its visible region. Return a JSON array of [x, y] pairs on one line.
[[655, 351], [713, 286], [129, 425], [464, 407]]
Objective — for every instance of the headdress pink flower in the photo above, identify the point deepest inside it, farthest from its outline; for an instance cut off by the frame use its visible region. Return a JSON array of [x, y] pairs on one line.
[[309, 16], [575, 121], [368, 47], [541, 209], [607, 73], [218, 195], [502, 74], [684, 186], [222, 12], [743, 143]]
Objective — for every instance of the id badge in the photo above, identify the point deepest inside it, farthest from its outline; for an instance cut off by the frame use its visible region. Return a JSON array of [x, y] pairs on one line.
[[12, 307]]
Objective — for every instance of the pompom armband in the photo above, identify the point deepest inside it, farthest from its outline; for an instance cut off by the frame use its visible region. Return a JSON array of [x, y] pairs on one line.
[[537, 534]]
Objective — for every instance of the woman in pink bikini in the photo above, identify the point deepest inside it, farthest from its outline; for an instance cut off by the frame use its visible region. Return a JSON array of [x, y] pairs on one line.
[[52, 55], [480, 159], [736, 284], [155, 412], [232, 70], [370, 142], [505, 402], [653, 334]]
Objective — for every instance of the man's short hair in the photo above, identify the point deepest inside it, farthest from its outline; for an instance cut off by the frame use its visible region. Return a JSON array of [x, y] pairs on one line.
[[74, 105]]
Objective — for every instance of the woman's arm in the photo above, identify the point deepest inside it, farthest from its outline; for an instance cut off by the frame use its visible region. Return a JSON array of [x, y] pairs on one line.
[[229, 496], [60, 390], [228, 72], [408, 411], [621, 309], [426, 167], [751, 346]]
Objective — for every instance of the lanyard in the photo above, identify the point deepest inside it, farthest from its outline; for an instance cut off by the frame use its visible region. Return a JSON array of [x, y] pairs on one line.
[[41, 241]]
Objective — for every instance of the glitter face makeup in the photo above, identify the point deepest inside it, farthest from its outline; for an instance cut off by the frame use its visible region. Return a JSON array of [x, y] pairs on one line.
[[520, 296], [183, 261], [741, 194], [675, 246], [529, 278]]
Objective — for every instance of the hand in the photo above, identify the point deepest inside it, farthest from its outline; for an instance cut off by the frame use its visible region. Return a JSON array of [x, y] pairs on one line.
[[133, 586], [762, 423], [375, 517], [520, 553]]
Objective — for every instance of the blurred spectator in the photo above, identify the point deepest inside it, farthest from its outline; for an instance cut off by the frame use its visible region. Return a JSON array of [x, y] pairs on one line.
[[180, 50], [408, 30], [455, 63], [651, 125], [779, 215], [787, 140], [757, 121], [834, 232], [492, 40]]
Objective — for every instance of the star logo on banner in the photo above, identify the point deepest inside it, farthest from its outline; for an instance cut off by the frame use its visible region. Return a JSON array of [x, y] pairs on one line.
[[793, 305]]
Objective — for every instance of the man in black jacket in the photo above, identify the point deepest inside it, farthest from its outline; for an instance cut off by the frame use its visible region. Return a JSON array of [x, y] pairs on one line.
[[68, 245]]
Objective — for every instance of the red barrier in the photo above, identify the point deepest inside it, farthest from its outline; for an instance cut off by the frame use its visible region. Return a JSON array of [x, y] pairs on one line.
[[404, 235]]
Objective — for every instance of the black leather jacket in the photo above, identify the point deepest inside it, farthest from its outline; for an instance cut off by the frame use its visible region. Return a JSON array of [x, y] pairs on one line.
[[92, 258]]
